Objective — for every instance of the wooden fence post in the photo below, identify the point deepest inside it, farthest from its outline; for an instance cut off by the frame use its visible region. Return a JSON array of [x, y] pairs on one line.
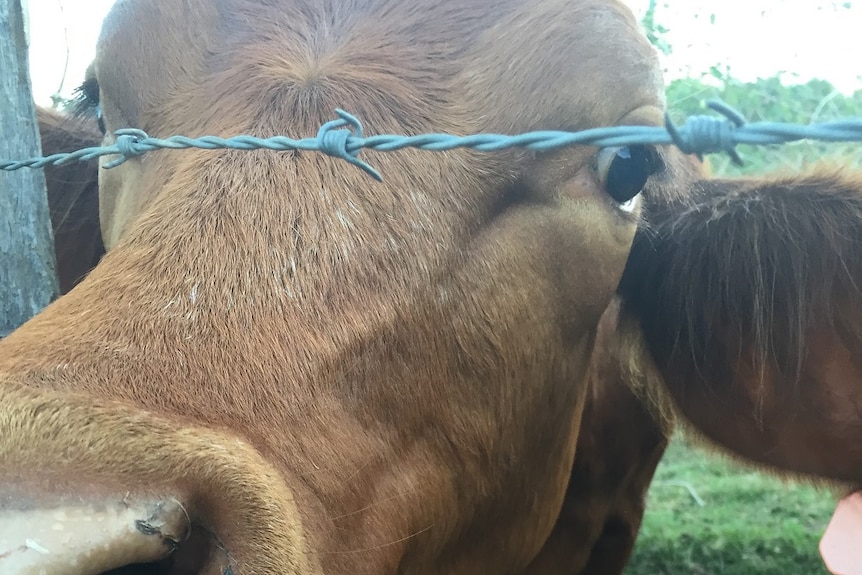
[[28, 277]]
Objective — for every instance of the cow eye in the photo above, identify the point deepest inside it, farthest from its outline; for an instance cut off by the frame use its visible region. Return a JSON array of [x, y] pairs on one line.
[[623, 171], [85, 102], [100, 120]]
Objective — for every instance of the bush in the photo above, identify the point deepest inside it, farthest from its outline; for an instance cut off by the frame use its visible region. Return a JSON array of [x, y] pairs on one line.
[[769, 99]]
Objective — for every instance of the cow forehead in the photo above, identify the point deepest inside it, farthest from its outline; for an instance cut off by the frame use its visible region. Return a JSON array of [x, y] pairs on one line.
[[459, 65]]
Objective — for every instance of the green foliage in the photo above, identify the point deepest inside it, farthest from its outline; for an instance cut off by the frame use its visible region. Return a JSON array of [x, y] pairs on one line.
[[655, 32], [750, 523], [769, 99]]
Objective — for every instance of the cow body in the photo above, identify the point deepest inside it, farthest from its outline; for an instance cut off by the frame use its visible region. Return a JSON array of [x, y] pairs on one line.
[[73, 195]]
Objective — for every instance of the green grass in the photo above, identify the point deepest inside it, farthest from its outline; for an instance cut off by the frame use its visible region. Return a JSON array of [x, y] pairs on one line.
[[750, 523]]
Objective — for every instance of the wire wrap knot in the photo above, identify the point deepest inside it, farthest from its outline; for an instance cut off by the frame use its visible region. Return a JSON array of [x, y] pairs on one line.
[[128, 145], [708, 134], [335, 140]]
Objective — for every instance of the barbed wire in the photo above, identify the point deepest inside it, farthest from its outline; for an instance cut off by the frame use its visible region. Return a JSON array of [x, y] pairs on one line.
[[343, 138]]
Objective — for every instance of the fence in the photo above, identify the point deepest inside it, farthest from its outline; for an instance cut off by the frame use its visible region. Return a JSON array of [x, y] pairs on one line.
[[343, 138]]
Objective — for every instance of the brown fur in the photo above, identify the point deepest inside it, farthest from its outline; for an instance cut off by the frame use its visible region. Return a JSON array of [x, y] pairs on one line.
[[422, 375], [411, 357], [748, 294], [624, 433], [618, 448], [73, 195]]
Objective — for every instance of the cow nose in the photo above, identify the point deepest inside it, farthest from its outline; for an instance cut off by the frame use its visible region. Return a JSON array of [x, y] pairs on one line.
[[89, 539]]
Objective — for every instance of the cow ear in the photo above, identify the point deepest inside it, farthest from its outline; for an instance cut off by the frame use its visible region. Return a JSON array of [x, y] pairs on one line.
[[748, 296], [73, 195]]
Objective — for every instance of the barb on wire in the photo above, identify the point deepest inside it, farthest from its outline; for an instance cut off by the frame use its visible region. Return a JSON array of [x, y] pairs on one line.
[[343, 138]]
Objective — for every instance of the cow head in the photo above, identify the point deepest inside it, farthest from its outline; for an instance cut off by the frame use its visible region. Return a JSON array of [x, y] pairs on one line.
[[312, 369]]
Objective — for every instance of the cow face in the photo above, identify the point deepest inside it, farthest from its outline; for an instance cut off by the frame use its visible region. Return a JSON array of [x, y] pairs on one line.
[[283, 366]]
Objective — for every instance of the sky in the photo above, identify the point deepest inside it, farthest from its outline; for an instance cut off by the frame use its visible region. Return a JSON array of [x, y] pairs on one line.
[[756, 38]]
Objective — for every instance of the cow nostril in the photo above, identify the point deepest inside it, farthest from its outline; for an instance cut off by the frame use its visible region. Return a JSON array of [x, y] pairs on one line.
[[137, 569], [191, 557]]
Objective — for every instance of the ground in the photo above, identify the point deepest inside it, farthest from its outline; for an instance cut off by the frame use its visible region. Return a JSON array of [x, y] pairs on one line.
[[749, 524]]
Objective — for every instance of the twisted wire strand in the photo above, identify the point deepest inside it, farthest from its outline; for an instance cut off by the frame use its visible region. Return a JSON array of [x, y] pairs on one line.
[[343, 138]]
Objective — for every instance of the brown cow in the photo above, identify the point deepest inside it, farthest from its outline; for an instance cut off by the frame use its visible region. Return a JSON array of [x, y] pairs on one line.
[[624, 431], [400, 421], [282, 366], [73, 195], [619, 444], [760, 346]]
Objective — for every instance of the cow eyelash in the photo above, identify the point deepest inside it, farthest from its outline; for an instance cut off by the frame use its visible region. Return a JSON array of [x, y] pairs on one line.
[[86, 104]]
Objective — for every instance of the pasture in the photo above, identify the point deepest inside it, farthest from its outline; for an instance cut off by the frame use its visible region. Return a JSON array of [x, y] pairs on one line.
[[750, 523]]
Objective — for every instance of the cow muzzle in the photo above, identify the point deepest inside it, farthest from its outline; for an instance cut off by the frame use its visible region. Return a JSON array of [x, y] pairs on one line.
[[89, 539], [91, 487]]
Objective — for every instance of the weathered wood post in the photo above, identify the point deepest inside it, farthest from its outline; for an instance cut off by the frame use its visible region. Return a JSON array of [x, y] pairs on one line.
[[28, 278]]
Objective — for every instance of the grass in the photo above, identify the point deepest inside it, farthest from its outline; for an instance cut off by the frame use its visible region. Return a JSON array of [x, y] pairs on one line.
[[750, 523]]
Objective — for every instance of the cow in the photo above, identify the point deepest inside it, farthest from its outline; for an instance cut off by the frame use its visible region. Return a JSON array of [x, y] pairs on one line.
[[284, 366], [760, 346], [73, 194], [619, 444], [624, 431]]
